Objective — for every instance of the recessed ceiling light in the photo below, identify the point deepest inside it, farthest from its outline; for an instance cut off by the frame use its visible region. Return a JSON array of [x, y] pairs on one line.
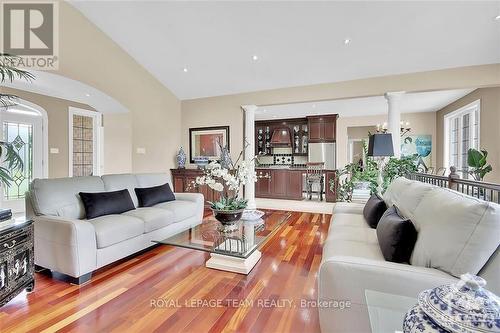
[[185, 69], [275, 116], [497, 18], [347, 41], [88, 95], [255, 57]]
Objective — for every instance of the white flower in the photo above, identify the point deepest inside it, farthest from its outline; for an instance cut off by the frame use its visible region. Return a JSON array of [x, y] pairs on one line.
[[216, 186]]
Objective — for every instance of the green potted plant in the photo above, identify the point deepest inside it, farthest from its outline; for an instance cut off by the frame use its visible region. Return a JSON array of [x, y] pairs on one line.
[[477, 162], [10, 160]]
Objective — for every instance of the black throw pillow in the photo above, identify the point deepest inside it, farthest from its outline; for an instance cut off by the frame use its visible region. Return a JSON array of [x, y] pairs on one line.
[[106, 203], [373, 211], [150, 196], [396, 236]]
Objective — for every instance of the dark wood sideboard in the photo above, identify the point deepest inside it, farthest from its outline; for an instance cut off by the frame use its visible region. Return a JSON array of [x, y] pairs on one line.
[[17, 264], [182, 180]]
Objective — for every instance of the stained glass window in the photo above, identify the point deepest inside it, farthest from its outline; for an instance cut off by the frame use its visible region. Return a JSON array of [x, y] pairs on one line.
[[21, 137]]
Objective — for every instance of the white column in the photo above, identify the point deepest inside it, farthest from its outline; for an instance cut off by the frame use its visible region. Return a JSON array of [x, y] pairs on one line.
[[249, 138], [394, 119]]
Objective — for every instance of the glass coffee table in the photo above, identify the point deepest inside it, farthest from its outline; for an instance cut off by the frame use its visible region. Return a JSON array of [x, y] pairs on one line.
[[387, 311], [236, 251]]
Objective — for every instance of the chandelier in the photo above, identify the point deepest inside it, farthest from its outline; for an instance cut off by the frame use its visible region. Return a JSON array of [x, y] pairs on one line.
[[404, 126]]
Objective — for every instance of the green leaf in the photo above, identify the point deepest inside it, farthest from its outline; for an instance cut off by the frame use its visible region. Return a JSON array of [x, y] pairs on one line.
[[474, 158]]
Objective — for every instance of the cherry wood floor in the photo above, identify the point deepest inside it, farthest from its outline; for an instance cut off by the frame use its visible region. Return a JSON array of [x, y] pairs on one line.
[[189, 297]]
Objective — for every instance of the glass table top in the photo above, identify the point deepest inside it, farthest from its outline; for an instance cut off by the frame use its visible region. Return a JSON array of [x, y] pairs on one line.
[[387, 311], [240, 243]]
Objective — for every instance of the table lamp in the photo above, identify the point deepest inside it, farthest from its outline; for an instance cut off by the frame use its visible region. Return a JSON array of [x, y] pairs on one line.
[[379, 146]]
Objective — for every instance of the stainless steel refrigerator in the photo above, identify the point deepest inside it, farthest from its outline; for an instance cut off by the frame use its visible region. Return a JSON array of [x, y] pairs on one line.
[[323, 152]]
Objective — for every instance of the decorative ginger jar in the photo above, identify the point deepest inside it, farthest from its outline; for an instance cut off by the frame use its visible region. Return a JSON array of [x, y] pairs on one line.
[[463, 307], [181, 159]]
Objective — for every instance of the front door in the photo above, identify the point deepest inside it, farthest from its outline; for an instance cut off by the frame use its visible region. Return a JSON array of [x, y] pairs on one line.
[[24, 132]]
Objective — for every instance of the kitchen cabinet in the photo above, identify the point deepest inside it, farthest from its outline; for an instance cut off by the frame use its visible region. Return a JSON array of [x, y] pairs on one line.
[[279, 184], [322, 128], [263, 184], [296, 133]]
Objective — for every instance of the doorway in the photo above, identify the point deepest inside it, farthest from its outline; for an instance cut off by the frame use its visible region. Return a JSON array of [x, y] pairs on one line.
[[24, 126]]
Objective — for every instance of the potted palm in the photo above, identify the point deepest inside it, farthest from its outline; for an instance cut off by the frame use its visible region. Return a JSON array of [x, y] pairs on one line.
[[10, 161]]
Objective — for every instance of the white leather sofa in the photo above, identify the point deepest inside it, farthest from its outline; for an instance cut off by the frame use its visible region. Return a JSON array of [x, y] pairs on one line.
[[457, 234], [72, 247]]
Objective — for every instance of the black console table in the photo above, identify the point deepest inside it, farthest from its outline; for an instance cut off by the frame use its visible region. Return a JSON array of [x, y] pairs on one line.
[[17, 264]]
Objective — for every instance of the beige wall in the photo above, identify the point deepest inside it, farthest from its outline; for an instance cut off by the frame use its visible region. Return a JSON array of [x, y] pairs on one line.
[[57, 113], [489, 136], [90, 56], [225, 110], [421, 123]]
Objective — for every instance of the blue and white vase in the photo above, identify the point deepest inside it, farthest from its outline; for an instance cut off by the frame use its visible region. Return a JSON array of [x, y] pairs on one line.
[[181, 159], [463, 307]]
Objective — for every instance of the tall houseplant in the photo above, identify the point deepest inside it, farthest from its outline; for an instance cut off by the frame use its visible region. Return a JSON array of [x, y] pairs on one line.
[[477, 161], [354, 173], [10, 161]]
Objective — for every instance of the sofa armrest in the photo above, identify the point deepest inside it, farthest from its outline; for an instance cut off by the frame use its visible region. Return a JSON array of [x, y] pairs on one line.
[[197, 198], [347, 278], [194, 197], [65, 245]]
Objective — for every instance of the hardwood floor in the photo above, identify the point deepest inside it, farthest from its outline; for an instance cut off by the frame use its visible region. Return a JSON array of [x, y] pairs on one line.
[[169, 289]]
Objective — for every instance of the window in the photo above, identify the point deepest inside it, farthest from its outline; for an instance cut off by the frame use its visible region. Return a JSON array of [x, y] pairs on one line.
[[461, 133], [85, 134]]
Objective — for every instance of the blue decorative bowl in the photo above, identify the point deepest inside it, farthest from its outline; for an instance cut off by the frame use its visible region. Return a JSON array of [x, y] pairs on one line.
[[201, 161]]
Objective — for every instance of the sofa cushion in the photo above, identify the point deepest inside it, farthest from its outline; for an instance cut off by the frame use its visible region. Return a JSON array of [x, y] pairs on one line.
[[154, 218], [334, 248], [112, 229], [150, 196], [373, 210], [181, 209], [152, 179], [59, 196], [396, 236], [456, 233], [406, 195], [348, 208], [121, 181], [106, 203]]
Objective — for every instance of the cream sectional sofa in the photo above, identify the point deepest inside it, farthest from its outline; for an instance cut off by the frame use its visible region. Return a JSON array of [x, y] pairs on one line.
[[73, 247], [456, 234]]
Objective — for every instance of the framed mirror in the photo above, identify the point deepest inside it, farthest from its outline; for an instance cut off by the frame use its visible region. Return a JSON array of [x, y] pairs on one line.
[[204, 142]]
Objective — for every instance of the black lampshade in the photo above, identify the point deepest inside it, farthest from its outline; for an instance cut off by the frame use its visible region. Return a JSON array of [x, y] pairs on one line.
[[380, 145]]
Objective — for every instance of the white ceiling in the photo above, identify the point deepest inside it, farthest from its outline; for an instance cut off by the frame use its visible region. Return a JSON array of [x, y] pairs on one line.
[[297, 42], [366, 106], [54, 85]]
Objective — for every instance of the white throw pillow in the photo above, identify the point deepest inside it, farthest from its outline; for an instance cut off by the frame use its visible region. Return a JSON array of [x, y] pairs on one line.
[[456, 233]]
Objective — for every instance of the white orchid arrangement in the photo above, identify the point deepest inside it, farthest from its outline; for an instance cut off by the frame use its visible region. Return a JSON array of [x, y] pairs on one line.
[[228, 180]]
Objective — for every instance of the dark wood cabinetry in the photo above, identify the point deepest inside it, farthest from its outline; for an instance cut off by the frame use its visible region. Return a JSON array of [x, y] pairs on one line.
[[16, 259], [279, 184], [182, 180], [322, 128], [296, 128]]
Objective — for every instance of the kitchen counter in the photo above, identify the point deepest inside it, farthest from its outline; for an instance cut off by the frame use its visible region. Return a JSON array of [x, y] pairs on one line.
[[287, 183]]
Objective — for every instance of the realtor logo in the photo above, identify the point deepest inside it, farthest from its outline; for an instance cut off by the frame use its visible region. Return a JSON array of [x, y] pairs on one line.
[[30, 31]]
